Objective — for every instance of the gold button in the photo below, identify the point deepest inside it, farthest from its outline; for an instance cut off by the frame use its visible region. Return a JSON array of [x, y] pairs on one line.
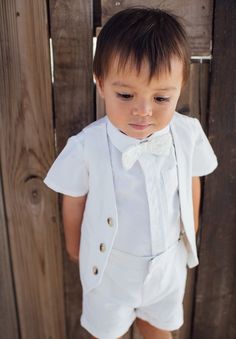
[[110, 221], [102, 247], [95, 270]]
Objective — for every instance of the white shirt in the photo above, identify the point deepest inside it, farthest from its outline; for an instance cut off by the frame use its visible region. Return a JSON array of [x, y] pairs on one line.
[[147, 197]]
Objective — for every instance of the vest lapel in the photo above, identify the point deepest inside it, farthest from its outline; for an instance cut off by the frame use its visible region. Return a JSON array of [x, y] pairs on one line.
[[182, 149], [103, 182], [180, 166]]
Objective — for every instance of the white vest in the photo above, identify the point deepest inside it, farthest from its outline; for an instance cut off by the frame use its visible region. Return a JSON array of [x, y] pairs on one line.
[[100, 220]]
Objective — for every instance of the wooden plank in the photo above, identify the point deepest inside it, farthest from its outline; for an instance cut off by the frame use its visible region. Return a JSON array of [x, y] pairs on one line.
[[204, 81], [8, 309], [216, 294], [96, 15], [194, 96], [72, 33], [197, 17], [26, 148]]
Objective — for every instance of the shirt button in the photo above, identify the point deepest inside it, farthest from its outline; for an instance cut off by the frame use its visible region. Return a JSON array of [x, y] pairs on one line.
[[110, 221], [95, 270], [102, 247]]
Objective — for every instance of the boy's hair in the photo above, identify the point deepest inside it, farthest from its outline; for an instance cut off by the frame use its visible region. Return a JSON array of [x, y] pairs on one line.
[[139, 34]]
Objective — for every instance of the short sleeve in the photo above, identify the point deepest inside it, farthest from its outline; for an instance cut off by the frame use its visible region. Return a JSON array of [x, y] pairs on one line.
[[69, 174], [204, 158]]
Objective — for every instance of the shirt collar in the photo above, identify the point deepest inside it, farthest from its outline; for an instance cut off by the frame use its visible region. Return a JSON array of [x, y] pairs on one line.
[[122, 141]]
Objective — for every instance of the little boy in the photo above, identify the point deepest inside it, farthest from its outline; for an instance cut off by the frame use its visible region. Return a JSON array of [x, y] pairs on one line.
[[130, 181]]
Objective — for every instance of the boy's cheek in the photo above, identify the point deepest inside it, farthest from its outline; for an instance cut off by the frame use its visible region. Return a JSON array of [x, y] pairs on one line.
[[166, 112]]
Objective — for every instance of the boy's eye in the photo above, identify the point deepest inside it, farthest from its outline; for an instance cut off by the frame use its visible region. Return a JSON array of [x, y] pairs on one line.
[[124, 96], [162, 99]]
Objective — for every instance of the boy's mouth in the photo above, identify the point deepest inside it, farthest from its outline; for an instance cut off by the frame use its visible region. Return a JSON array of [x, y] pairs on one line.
[[140, 126]]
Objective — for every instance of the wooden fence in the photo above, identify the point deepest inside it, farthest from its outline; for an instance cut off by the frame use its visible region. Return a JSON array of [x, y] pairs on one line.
[[40, 291]]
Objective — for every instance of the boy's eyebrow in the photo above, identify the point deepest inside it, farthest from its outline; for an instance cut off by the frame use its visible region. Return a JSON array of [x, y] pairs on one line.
[[119, 83]]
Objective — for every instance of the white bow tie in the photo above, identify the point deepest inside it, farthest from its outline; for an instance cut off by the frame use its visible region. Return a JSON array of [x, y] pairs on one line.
[[159, 145]]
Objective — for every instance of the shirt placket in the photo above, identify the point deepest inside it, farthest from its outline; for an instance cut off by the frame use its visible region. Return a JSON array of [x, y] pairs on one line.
[[153, 190]]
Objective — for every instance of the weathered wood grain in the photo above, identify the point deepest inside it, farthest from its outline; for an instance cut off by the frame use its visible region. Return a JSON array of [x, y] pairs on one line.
[[71, 25], [26, 149], [197, 17], [72, 32], [215, 310], [193, 100], [8, 307]]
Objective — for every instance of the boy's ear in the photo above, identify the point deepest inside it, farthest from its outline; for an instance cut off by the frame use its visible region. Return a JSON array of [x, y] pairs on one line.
[[99, 85]]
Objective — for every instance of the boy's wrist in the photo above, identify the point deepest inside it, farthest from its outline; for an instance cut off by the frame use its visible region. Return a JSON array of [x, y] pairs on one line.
[[73, 258]]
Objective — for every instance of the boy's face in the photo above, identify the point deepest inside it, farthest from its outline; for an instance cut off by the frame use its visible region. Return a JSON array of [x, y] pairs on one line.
[[136, 106]]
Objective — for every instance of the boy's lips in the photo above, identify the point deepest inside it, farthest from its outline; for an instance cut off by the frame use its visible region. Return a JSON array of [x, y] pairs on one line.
[[140, 126]]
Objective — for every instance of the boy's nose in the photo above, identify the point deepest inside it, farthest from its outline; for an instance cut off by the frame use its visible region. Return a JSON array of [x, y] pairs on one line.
[[143, 110]]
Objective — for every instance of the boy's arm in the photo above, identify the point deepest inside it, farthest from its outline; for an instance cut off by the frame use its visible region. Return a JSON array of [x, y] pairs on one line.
[[196, 189], [72, 213]]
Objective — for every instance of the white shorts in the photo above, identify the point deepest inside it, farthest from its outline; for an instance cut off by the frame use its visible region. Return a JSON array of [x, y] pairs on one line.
[[150, 288]]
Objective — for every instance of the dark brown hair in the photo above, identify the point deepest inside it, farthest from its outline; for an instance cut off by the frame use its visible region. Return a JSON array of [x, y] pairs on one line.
[[137, 34]]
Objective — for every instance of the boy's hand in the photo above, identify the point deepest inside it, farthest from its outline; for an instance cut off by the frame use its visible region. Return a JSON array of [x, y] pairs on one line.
[[74, 258], [196, 190], [72, 249]]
